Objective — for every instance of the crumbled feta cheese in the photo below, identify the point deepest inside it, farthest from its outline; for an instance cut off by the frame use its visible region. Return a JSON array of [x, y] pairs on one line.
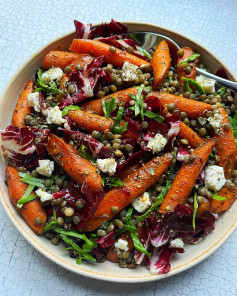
[[121, 244], [207, 83], [215, 121], [33, 101], [107, 165], [214, 177], [129, 72], [46, 167], [177, 243], [157, 144], [55, 116], [142, 203], [44, 196], [52, 74]]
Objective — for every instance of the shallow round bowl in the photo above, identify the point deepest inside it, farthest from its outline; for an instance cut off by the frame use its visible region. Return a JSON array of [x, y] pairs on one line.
[[107, 271]]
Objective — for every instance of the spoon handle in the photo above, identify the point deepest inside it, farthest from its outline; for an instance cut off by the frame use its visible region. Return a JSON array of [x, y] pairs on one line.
[[224, 82]]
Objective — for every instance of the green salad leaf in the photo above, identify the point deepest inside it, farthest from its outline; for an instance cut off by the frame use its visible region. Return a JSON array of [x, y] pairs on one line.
[[113, 182], [26, 197], [154, 116], [218, 197], [117, 129], [194, 83], [28, 179], [195, 208], [144, 52], [190, 58], [233, 122], [50, 88], [69, 108], [108, 107], [221, 91], [138, 106], [85, 153]]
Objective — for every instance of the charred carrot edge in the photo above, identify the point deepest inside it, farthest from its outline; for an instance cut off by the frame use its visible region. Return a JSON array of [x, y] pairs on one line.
[[112, 254], [59, 59], [225, 146], [186, 178], [187, 133], [193, 108], [77, 167], [97, 48], [187, 52], [96, 105], [134, 185], [160, 63], [31, 209], [22, 108]]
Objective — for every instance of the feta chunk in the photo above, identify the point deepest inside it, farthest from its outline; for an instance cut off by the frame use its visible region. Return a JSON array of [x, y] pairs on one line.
[[52, 74], [129, 72], [33, 101], [46, 167], [214, 177], [107, 165], [207, 83], [215, 121], [157, 144], [142, 202], [44, 196], [177, 243], [121, 244], [55, 116]]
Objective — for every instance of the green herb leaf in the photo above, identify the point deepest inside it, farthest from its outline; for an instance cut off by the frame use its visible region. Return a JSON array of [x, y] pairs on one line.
[[138, 106], [51, 88], [84, 152], [108, 107], [154, 116], [221, 91], [69, 108], [195, 207], [186, 86], [190, 58], [117, 129], [27, 193], [134, 37], [211, 155], [26, 178], [218, 197], [144, 52], [113, 182], [195, 84]]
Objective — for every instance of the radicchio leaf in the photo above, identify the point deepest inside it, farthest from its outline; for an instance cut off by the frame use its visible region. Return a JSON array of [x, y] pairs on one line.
[[82, 30], [221, 72], [182, 151], [107, 30], [108, 240], [99, 252], [144, 239]]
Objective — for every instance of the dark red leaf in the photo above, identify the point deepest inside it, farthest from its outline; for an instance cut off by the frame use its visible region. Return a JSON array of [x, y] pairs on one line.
[[108, 240]]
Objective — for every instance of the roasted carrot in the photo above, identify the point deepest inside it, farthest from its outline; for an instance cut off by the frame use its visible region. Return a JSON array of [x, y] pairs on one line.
[[97, 48], [180, 71], [22, 108], [225, 145], [193, 108], [186, 178], [123, 175], [77, 167], [134, 185], [187, 133], [59, 59], [30, 210], [112, 254], [160, 63], [96, 105]]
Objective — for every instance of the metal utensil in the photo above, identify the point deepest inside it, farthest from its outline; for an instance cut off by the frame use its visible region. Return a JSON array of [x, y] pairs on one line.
[[149, 40]]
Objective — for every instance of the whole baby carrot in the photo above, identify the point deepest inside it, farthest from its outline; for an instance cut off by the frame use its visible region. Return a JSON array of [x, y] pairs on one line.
[[186, 178], [30, 210], [22, 108], [134, 185], [59, 59], [187, 133], [97, 48]]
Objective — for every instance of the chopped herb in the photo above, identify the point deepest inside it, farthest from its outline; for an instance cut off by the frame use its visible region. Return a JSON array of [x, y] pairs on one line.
[[154, 116], [134, 37], [221, 91], [50, 88], [26, 178], [84, 152], [195, 84], [117, 129], [211, 155], [108, 107], [218, 197], [233, 122], [187, 87], [52, 224], [138, 106], [113, 182], [144, 52], [190, 58], [26, 195], [195, 207], [69, 108]]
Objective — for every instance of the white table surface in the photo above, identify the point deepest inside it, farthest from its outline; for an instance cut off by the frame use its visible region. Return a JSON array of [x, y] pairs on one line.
[[26, 25]]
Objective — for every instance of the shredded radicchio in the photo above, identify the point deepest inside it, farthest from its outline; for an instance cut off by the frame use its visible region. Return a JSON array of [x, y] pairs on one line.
[[221, 72], [25, 145], [182, 151], [108, 240], [145, 239]]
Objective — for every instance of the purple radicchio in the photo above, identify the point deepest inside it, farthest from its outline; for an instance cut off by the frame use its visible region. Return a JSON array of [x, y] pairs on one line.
[[144, 238], [25, 146], [182, 151], [108, 240]]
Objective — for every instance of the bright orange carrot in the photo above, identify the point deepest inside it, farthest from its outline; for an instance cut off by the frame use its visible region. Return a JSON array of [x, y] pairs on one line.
[[77, 167], [186, 178], [225, 145], [193, 108], [30, 210], [112, 254], [180, 71], [97, 48], [59, 59], [22, 108], [134, 185], [187, 133], [160, 63], [96, 106]]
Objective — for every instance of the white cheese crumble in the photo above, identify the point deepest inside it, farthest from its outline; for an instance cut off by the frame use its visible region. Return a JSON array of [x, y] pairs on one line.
[[46, 167], [33, 101], [52, 74], [129, 72], [207, 83], [121, 244], [215, 121], [44, 196], [177, 243], [55, 116], [214, 177], [142, 202], [107, 165], [157, 144]]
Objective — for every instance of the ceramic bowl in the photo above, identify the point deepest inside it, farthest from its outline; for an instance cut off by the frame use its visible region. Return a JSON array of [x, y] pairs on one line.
[[107, 271]]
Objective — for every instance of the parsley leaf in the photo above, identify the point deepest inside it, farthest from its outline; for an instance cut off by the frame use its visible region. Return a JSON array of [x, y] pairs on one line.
[[154, 116], [138, 106], [84, 152], [28, 179], [144, 52], [113, 182], [195, 207], [195, 84], [108, 107], [221, 91], [218, 197], [190, 58], [26, 197], [117, 129], [50, 88], [69, 108]]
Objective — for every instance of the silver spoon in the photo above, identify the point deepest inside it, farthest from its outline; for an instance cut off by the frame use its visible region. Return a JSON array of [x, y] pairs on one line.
[[149, 40]]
